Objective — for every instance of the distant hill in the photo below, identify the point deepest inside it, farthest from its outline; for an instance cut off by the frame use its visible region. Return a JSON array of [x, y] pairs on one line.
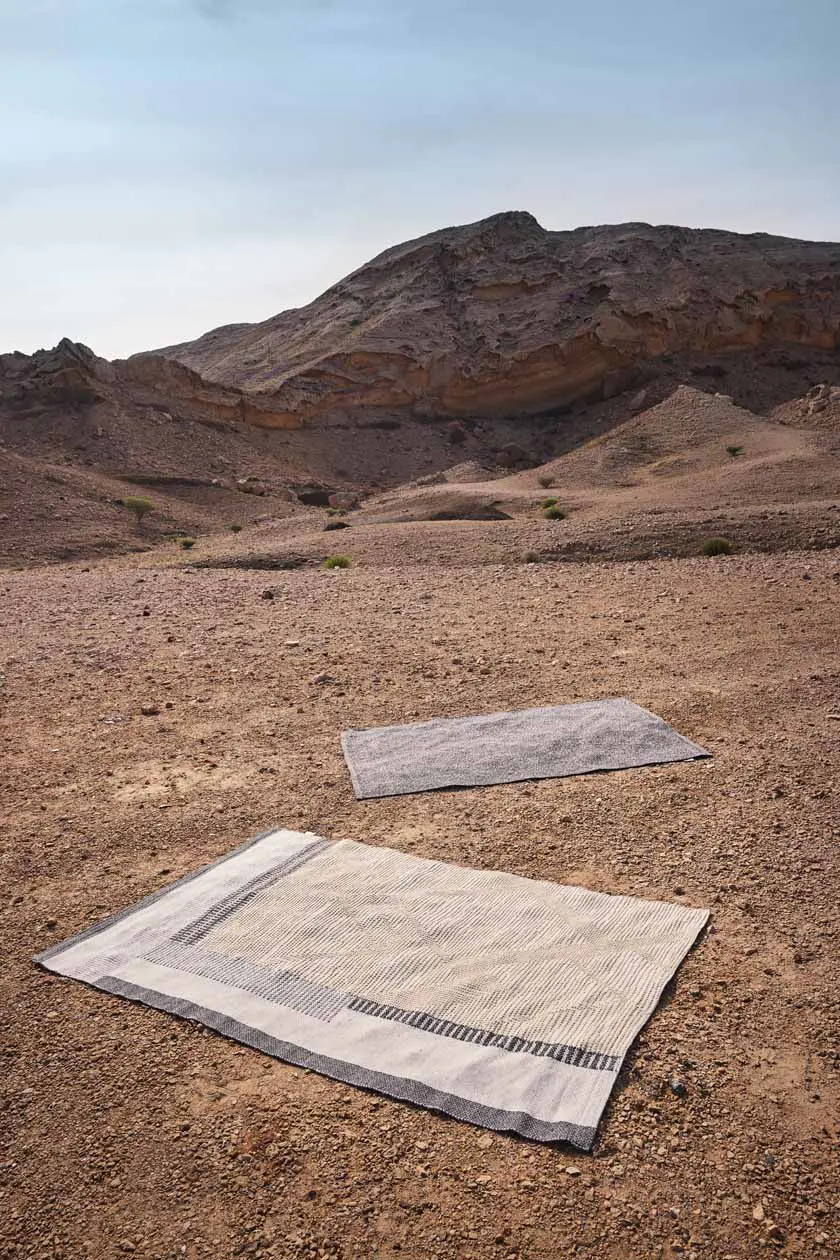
[[503, 318], [489, 350]]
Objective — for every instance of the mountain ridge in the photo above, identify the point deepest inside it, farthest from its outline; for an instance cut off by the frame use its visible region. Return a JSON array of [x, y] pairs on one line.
[[502, 316]]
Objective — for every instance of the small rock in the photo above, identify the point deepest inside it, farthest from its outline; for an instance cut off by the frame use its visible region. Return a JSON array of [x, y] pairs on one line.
[[485, 1142], [573, 1170], [677, 1086], [149, 710], [758, 1212], [321, 679]]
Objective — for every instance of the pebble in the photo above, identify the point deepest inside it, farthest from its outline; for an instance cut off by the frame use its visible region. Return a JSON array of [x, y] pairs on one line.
[[149, 710]]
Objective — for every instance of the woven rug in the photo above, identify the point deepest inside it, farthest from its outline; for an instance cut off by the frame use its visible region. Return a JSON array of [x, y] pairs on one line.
[[509, 747], [504, 1001]]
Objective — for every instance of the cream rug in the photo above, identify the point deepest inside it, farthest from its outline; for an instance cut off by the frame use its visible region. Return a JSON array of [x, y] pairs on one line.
[[504, 1001]]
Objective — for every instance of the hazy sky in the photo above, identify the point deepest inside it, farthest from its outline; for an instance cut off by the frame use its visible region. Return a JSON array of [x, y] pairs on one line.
[[170, 165]]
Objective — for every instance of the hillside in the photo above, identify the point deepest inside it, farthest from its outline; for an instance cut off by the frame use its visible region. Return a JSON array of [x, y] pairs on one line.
[[502, 318], [488, 350]]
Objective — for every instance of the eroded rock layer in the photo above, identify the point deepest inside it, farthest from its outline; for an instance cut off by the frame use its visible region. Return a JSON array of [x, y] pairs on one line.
[[501, 318]]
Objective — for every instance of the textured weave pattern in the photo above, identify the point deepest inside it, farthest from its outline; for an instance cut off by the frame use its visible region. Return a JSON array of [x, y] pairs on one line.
[[509, 747], [515, 956], [508, 1001]]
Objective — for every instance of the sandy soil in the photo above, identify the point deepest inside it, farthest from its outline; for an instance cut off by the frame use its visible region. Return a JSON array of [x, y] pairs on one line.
[[126, 1131]]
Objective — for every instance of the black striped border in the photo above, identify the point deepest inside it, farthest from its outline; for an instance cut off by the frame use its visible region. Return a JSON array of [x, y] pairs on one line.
[[574, 1056]]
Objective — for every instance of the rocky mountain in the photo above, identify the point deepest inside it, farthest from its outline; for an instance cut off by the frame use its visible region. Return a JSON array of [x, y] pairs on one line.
[[502, 318], [497, 346]]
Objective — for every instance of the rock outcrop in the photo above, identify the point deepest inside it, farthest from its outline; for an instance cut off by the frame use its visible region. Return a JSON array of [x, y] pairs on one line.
[[502, 318]]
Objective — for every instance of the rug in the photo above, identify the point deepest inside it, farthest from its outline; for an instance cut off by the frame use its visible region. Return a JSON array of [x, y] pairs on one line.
[[504, 1001], [509, 747]]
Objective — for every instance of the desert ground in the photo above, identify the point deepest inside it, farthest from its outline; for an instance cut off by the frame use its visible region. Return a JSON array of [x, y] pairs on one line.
[[127, 1131]]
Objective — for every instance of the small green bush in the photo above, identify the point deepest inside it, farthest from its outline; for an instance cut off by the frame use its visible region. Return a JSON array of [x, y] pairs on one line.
[[186, 543], [531, 557], [554, 514], [336, 511], [138, 506], [734, 451], [545, 482], [717, 547], [547, 503], [235, 529], [337, 562]]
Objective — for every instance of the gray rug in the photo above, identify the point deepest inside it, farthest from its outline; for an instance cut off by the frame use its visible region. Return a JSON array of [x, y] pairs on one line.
[[509, 747], [506, 1002]]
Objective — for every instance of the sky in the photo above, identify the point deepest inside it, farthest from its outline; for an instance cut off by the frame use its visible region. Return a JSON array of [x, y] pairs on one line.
[[167, 166]]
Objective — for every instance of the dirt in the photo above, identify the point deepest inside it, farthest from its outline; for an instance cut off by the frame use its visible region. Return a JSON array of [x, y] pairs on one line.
[[127, 1131], [160, 705]]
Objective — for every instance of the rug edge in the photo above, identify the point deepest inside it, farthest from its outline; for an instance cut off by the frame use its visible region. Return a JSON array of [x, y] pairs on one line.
[[401, 1088], [41, 958]]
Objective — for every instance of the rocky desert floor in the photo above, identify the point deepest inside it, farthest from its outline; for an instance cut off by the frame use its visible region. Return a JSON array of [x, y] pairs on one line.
[[126, 1131]]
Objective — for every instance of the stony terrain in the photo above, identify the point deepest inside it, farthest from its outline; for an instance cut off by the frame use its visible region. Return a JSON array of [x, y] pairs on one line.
[[160, 704], [130, 1132]]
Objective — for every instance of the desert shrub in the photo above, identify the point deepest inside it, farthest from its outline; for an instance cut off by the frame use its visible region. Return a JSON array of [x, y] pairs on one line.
[[337, 562], [186, 543], [545, 482], [717, 547], [547, 503], [235, 529], [531, 557], [554, 514], [734, 451], [456, 433], [336, 525], [336, 511], [138, 506]]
